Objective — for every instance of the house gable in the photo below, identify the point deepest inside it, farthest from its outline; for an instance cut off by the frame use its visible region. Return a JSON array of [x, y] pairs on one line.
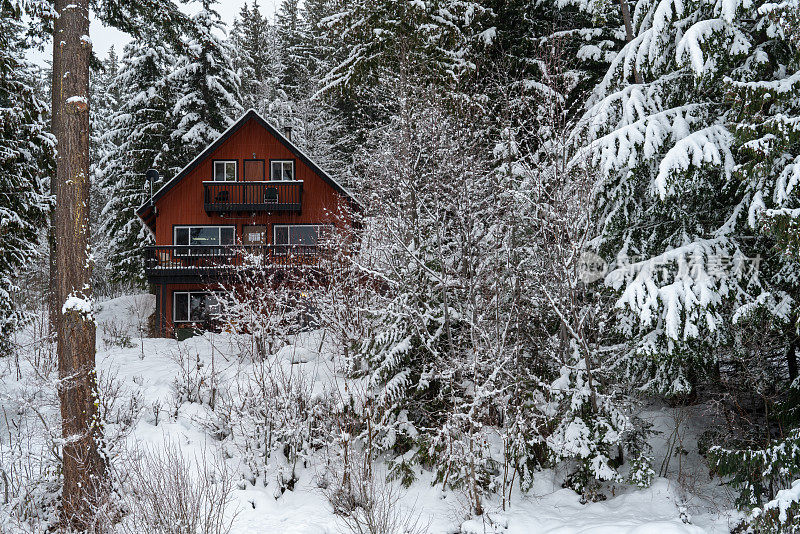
[[250, 137]]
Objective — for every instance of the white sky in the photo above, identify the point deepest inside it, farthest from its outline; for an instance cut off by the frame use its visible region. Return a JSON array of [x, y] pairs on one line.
[[104, 37]]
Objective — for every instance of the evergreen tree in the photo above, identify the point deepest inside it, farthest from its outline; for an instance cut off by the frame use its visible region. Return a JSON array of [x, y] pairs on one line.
[[106, 98], [692, 159], [138, 139], [208, 89], [254, 53], [389, 44], [26, 165], [292, 33]]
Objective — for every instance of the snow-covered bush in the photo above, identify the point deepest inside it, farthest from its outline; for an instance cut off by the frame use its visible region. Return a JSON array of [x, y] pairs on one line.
[[781, 515], [30, 440], [590, 427], [169, 492], [277, 420], [265, 302], [367, 502], [275, 417], [759, 472]]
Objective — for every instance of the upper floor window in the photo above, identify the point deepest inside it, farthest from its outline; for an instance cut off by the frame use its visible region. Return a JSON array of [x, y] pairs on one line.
[[281, 169], [302, 235], [225, 171], [204, 235]]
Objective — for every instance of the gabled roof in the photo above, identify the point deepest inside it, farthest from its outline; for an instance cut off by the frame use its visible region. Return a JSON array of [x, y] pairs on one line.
[[250, 114]]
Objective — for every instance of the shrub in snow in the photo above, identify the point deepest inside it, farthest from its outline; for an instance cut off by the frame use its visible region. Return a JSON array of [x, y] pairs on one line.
[[30, 467], [641, 473], [781, 515], [759, 472], [168, 491], [590, 428], [195, 381], [366, 501]]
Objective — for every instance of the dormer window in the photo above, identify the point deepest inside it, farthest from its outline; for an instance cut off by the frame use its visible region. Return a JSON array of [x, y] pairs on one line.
[[225, 171], [281, 169]]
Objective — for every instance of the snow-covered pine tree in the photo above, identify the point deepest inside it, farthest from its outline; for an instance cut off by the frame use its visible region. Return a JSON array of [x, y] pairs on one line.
[[674, 213], [323, 48], [26, 165], [208, 88], [691, 160], [765, 121], [137, 139], [292, 31], [255, 55], [387, 43], [106, 99]]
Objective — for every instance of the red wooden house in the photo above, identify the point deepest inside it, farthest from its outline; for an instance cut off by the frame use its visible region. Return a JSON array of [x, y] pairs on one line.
[[251, 190]]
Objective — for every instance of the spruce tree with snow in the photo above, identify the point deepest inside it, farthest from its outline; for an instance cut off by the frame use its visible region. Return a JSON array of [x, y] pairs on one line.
[[106, 100], [137, 139], [256, 54], [208, 88], [291, 28], [677, 207], [693, 160], [26, 165], [386, 43]]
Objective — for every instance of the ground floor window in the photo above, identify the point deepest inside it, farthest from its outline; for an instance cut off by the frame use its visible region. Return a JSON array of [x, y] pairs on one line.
[[194, 306]]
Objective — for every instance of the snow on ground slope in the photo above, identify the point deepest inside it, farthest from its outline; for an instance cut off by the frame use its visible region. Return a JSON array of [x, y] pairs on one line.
[[148, 373]]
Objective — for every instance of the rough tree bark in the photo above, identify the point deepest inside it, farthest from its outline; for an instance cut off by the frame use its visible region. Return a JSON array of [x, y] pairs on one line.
[[84, 468], [54, 300]]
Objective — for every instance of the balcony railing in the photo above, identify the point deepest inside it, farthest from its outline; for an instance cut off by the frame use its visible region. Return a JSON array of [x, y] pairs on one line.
[[214, 259], [223, 197]]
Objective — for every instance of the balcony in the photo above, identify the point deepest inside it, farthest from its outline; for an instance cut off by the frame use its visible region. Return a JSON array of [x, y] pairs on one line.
[[272, 196], [204, 261]]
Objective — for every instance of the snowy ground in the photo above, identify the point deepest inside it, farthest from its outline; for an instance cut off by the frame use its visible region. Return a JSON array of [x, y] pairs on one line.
[[144, 374]]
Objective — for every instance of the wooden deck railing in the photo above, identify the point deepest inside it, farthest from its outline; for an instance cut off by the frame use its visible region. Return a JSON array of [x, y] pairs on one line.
[[208, 259], [253, 196]]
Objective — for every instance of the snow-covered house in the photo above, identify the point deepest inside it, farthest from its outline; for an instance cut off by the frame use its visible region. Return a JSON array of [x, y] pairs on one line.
[[250, 190]]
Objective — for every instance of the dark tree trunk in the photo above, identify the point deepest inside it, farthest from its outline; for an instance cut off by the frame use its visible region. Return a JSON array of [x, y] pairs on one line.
[[84, 469], [626, 18], [791, 357], [54, 300]]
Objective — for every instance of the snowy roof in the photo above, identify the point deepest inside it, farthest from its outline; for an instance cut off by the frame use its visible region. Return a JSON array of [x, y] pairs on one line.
[[249, 114]]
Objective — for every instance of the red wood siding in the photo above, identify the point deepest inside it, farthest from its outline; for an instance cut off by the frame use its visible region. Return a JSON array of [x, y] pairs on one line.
[[183, 204]]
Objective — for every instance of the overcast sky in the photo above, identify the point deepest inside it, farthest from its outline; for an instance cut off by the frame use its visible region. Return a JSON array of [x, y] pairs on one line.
[[104, 37]]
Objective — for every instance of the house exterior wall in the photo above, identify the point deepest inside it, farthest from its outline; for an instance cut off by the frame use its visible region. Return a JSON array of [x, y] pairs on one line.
[[183, 204]]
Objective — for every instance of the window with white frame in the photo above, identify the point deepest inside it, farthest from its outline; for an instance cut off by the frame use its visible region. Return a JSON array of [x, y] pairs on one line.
[[297, 235], [281, 169], [225, 171], [204, 237], [194, 306]]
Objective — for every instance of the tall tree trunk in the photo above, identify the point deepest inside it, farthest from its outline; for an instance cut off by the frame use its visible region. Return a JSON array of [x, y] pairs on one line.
[[84, 469], [54, 300]]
